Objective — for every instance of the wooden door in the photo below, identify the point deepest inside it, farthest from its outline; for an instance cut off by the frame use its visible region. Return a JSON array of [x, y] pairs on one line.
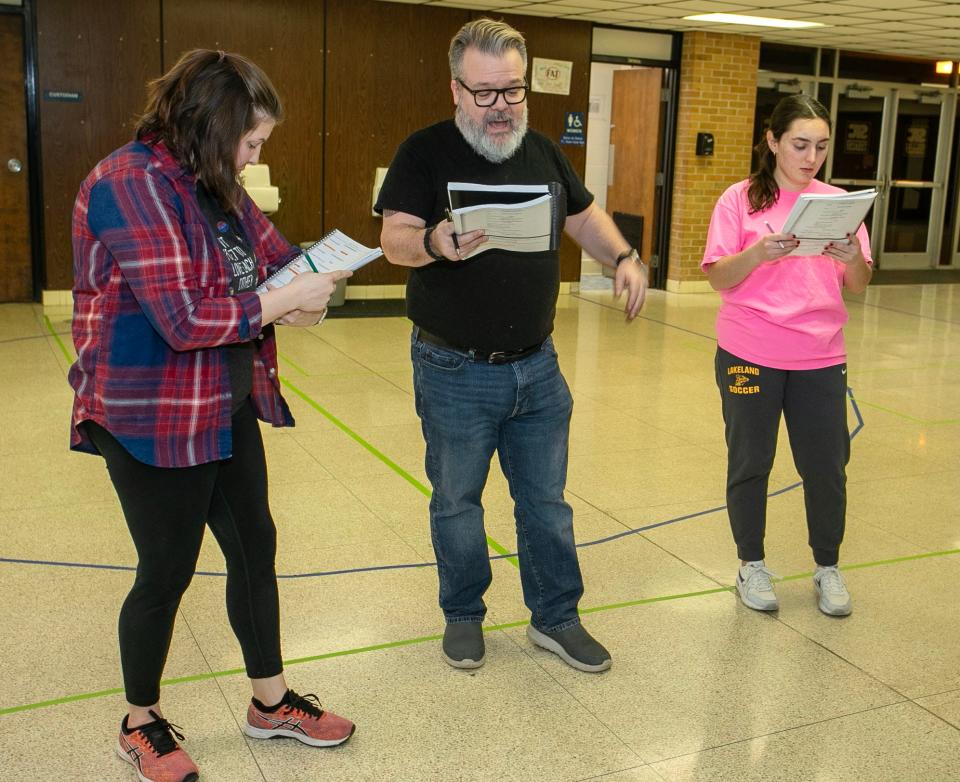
[[16, 277], [634, 131]]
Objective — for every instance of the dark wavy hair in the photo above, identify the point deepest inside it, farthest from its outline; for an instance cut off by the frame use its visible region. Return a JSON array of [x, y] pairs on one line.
[[764, 190], [201, 108]]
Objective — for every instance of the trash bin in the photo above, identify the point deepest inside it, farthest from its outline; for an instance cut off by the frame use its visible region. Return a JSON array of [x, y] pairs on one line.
[[339, 294]]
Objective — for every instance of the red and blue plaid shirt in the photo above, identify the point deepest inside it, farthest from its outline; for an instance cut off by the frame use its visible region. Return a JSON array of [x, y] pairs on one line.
[[152, 310]]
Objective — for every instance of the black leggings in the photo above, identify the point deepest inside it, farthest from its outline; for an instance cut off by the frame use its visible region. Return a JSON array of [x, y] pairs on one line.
[[166, 510], [813, 402]]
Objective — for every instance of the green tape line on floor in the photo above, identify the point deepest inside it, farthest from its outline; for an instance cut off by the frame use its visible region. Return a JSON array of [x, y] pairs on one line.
[[426, 638], [381, 456]]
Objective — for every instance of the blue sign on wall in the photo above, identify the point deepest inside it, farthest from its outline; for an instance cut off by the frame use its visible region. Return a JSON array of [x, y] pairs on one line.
[[575, 129]]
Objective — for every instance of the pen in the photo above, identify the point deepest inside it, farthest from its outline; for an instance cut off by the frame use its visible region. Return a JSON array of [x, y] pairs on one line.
[[309, 260], [770, 229], [456, 244]]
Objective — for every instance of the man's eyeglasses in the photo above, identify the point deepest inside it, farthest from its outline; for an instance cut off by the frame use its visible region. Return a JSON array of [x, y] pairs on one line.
[[485, 98]]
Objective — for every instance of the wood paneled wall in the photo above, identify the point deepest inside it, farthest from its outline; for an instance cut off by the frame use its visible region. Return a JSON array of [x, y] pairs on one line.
[[16, 277], [356, 77], [388, 76], [107, 50], [285, 38]]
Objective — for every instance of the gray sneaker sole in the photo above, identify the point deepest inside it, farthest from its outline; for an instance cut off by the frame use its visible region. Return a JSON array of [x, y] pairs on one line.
[[546, 642], [464, 664], [465, 646], [828, 608], [756, 606]]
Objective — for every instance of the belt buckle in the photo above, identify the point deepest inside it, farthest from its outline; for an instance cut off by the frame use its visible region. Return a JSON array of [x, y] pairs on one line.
[[498, 357]]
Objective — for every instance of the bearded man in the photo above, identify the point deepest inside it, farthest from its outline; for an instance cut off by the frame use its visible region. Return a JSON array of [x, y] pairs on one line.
[[485, 371]]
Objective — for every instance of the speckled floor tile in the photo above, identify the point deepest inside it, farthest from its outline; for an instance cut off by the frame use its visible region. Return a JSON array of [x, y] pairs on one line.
[[702, 688]]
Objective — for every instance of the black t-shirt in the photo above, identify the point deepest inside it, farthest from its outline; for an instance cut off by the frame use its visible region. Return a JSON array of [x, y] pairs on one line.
[[497, 300], [239, 256]]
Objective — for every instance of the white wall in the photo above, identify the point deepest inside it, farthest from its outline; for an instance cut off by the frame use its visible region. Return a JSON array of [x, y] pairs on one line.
[[598, 129]]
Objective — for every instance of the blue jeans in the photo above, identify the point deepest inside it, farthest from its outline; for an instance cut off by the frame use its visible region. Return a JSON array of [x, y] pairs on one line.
[[468, 409]]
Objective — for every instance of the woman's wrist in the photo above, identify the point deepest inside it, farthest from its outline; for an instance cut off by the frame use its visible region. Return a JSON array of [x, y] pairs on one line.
[[276, 303]]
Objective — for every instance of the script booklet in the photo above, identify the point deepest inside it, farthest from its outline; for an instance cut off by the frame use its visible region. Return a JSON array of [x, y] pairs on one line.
[[334, 251], [519, 218], [819, 218]]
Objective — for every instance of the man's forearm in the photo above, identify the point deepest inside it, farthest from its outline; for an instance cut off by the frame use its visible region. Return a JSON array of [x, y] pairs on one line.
[[403, 244], [596, 233]]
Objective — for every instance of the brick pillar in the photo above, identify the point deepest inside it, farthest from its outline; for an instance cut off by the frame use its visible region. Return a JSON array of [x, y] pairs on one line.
[[718, 91]]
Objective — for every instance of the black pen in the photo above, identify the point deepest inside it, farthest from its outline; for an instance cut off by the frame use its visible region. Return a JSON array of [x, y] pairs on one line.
[[456, 244]]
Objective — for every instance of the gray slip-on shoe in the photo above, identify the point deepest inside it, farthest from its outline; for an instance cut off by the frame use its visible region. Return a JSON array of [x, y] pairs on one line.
[[575, 646], [463, 644]]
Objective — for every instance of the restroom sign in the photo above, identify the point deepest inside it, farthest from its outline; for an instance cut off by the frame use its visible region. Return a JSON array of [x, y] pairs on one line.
[[574, 129]]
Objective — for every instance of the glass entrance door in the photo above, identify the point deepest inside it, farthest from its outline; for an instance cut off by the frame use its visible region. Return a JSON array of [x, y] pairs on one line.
[[891, 139], [915, 191], [858, 151]]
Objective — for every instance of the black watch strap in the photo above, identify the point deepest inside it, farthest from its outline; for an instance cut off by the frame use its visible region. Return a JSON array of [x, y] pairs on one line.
[[429, 247], [625, 255]]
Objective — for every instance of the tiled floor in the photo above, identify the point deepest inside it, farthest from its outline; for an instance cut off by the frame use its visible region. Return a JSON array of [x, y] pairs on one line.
[[701, 687]]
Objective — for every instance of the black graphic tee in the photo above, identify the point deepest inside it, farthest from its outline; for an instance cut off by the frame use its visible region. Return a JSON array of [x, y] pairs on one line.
[[239, 256]]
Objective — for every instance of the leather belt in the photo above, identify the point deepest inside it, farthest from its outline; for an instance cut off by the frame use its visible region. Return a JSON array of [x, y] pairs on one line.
[[492, 357]]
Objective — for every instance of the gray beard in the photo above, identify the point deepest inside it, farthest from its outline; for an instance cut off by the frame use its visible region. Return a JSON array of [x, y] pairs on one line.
[[476, 136]]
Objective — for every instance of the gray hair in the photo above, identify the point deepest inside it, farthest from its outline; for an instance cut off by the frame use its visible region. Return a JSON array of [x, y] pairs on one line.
[[490, 37]]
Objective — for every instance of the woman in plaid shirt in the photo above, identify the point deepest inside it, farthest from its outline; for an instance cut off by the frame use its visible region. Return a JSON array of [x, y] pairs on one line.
[[176, 361]]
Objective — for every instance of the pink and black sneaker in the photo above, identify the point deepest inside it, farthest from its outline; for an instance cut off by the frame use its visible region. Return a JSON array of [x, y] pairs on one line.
[[297, 717], [153, 752]]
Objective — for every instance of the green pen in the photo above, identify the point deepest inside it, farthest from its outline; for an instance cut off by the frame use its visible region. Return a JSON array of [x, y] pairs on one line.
[[306, 254]]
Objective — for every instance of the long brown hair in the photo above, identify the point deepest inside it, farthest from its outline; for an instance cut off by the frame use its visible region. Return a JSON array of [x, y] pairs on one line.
[[764, 190], [202, 107]]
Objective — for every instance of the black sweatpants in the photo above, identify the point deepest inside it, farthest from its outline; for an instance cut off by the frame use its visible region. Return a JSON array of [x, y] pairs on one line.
[[166, 510], [813, 402]]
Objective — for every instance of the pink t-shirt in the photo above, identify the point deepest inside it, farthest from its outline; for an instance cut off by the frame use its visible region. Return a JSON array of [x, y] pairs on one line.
[[787, 314]]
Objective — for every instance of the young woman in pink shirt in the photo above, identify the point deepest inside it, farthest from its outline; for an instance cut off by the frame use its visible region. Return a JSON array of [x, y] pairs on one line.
[[781, 349]]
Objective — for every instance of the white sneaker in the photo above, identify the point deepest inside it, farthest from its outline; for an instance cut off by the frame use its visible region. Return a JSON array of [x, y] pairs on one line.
[[756, 588], [833, 594]]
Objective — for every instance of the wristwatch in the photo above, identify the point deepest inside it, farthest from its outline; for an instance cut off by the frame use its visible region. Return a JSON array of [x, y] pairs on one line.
[[429, 247], [631, 254]]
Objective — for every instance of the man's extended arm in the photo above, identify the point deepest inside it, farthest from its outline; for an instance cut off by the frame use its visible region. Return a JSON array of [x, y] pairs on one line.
[[594, 230]]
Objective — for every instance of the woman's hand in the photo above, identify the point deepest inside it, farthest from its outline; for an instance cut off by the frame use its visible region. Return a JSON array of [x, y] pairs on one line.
[[303, 318], [312, 291], [731, 270], [773, 247], [306, 293], [848, 252], [856, 272]]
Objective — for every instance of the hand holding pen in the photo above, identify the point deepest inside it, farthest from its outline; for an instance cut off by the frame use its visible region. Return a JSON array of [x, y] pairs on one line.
[[456, 241], [776, 246], [453, 246]]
